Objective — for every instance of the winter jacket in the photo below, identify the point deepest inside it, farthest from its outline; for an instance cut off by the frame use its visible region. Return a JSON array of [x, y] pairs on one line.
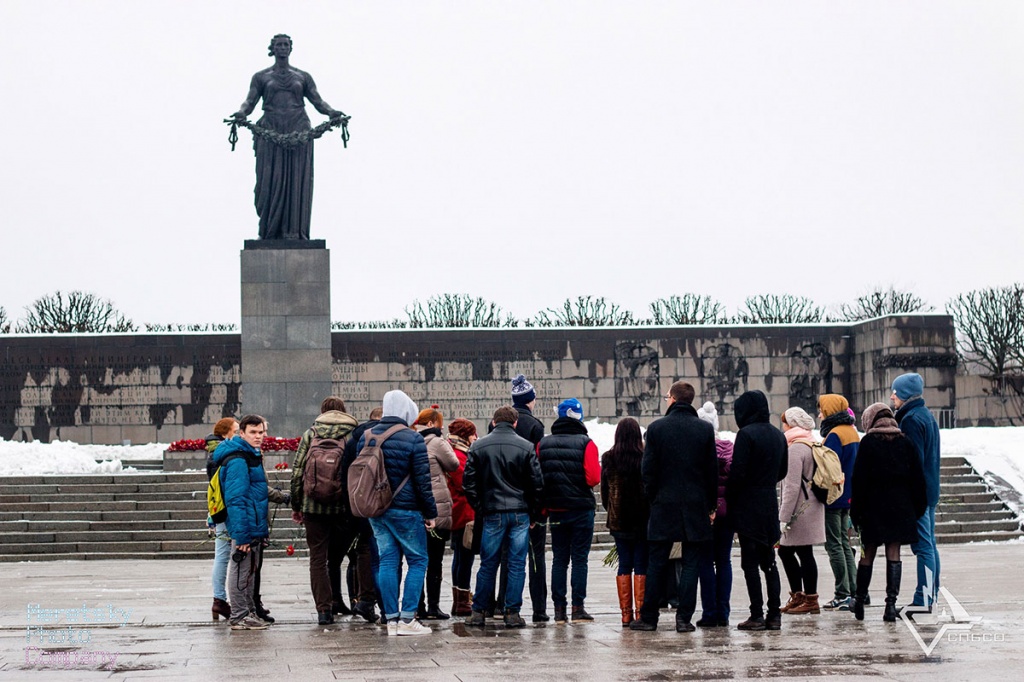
[[680, 475], [442, 460], [462, 513], [890, 490], [244, 485], [759, 461], [798, 506], [624, 498], [723, 448], [569, 463], [528, 426], [502, 474], [845, 440], [405, 454], [212, 441], [333, 424], [917, 423]]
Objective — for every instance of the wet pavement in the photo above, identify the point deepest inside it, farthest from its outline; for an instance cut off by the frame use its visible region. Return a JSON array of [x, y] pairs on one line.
[[167, 632]]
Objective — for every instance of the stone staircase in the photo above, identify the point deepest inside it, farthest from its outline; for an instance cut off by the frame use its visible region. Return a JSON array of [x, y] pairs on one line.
[[162, 515]]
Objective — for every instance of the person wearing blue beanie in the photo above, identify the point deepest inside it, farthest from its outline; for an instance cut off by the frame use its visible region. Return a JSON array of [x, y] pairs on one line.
[[919, 426], [570, 407]]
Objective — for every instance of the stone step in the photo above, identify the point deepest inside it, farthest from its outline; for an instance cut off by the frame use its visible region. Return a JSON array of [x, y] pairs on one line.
[[992, 505], [953, 462], [964, 538], [986, 526], [1001, 514], [970, 498], [98, 479]]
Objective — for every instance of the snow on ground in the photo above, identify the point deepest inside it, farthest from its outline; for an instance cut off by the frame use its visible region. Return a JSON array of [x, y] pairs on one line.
[[997, 454], [64, 457]]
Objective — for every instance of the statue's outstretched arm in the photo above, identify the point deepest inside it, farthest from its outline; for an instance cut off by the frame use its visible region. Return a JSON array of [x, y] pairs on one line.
[[250, 100], [318, 103]]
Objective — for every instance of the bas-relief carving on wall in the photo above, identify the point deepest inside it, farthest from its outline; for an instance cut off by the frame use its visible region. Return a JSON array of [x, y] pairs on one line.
[[810, 376], [637, 379], [725, 373]]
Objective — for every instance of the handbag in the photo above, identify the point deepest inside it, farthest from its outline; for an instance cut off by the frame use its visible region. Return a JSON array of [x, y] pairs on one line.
[[467, 536]]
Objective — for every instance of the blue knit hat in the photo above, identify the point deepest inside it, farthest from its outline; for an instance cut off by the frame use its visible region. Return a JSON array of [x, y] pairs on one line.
[[907, 386], [522, 391], [570, 407]]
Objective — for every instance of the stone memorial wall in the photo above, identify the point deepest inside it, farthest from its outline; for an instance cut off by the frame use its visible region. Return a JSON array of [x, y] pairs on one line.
[[162, 387]]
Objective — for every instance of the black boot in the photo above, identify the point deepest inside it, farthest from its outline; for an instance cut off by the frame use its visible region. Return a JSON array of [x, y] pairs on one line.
[[860, 596], [893, 577]]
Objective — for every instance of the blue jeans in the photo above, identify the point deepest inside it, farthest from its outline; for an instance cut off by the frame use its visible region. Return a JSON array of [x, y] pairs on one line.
[[221, 557], [927, 553], [496, 529], [716, 573], [572, 533], [398, 532], [632, 555]]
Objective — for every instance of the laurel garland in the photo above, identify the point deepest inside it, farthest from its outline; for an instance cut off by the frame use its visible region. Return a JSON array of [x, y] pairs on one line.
[[290, 140]]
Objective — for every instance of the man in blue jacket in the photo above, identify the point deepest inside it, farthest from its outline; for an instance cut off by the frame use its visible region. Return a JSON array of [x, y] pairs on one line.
[[919, 426], [402, 529], [244, 486]]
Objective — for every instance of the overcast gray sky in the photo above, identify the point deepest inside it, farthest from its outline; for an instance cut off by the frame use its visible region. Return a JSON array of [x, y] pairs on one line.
[[524, 152]]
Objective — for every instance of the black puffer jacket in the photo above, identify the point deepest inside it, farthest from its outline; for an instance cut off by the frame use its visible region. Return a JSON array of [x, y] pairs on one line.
[[680, 474], [760, 459], [528, 426], [561, 458], [502, 474]]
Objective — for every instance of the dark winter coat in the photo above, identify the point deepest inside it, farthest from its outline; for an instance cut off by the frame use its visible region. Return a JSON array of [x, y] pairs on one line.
[[337, 426], [528, 426], [723, 448], [890, 490], [562, 456], [502, 474], [244, 486], [405, 454], [917, 423], [680, 474], [624, 498], [759, 461]]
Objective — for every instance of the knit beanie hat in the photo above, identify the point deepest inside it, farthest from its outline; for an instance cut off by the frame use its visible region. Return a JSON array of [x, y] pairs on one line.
[[831, 403], [798, 417], [522, 391], [570, 407], [708, 413], [463, 428], [907, 386]]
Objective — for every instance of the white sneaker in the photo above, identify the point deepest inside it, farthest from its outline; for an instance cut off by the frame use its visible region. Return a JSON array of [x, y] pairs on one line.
[[392, 628], [249, 623], [413, 628]]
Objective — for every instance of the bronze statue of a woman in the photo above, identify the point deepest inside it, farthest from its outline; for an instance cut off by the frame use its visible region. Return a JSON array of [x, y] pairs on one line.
[[283, 142]]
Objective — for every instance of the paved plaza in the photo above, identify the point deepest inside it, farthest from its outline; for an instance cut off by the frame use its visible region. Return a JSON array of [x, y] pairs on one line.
[[167, 632]]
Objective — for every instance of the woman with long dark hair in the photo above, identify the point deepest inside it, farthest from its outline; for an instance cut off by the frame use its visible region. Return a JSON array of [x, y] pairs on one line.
[[622, 495]]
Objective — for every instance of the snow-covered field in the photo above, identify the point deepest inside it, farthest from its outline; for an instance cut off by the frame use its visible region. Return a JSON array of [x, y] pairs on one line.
[[997, 453]]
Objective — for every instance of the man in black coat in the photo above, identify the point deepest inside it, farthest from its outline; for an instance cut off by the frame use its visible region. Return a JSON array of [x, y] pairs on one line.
[[680, 474], [760, 458]]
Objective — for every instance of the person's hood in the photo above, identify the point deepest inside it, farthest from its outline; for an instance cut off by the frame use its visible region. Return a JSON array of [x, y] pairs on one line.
[[569, 425], [334, 424], [752, 408], [236, 444], [398, 404]]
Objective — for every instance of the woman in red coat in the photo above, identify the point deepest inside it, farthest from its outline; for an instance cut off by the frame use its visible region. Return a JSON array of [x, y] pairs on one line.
[[461, 434]]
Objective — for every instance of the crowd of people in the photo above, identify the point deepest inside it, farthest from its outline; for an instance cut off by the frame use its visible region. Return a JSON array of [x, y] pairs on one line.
[[400, 493]]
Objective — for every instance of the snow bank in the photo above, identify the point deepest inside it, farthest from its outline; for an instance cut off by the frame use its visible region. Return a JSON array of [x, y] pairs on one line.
[[64, 457], [995, 452]]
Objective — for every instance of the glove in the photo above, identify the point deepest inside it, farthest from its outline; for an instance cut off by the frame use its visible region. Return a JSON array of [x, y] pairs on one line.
[[783, 527], [287, 499]]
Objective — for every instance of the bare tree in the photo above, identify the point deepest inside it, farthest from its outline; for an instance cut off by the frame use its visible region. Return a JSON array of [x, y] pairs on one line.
[[5, 322], [990, 328], [372, 324], [881, 302], [74, 312], [457, 310], [585, 311], [687, 309], [779, 309]]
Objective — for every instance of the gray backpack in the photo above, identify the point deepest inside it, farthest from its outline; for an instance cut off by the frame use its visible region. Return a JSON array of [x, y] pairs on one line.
[[369, 490]]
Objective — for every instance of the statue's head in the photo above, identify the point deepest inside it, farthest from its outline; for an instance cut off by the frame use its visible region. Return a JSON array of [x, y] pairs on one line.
[[280, 46]]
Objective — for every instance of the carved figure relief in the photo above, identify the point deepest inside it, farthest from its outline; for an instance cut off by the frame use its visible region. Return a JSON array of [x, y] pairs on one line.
[[810, 376], [725, 372], [637, 379]]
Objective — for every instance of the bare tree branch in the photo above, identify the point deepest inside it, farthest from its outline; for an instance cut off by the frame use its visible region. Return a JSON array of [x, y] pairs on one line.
[[457, 310], [5, 322], [990, 328], [585, 311], [75, 312], [883, 302], [687, 309], [779, 309]]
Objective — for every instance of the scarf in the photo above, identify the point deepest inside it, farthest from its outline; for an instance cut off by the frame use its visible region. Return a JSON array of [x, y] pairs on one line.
[[832, 421], [797, 433], [879, 420], [458, 443]]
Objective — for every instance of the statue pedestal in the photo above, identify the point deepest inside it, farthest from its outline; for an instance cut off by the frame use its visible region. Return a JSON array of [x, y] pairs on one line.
[[286, 332]]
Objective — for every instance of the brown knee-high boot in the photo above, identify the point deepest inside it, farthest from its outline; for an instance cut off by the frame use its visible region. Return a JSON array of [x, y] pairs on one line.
[[639, 587], [624, 584]]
